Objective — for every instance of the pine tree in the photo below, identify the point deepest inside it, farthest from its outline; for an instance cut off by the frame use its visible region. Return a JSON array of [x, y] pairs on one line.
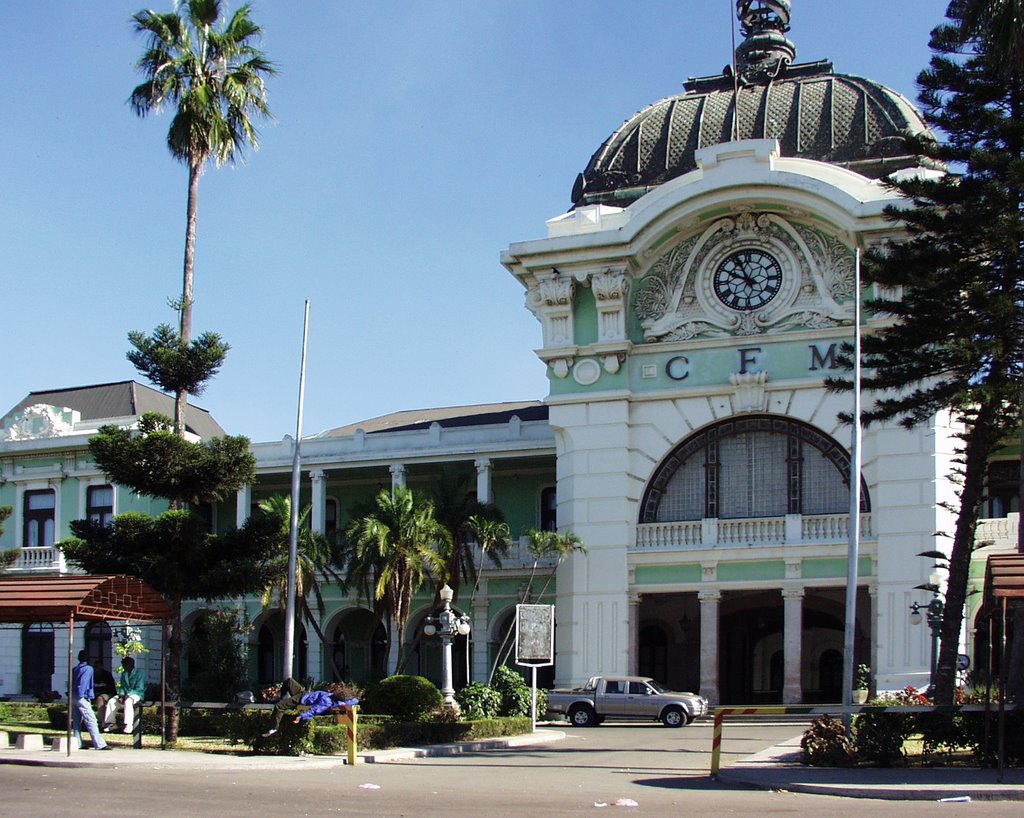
[[954, 286]]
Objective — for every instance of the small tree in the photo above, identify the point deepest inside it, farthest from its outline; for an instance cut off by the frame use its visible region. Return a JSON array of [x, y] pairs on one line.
[[7, 558], [217, 660]]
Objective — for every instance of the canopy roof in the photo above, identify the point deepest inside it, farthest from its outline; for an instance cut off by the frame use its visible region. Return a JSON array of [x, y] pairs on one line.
[[1004, 579], [57, 599]]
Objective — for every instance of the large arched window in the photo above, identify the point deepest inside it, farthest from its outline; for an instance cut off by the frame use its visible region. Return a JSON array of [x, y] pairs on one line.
[[752, 467]]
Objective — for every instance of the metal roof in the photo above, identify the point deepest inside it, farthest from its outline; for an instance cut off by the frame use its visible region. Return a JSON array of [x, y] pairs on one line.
[[120, 399], [56, 599], [1004, 579]]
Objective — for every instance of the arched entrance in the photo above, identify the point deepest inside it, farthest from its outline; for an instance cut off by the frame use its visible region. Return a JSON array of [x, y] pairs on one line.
[[37, 661], [358, 646], [270, 650]]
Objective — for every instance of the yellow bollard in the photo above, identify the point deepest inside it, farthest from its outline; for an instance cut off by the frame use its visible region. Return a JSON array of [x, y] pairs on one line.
[[349, 719]]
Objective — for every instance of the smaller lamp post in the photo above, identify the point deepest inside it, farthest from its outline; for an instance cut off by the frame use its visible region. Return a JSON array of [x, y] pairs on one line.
[[933, 615], [447, 624]]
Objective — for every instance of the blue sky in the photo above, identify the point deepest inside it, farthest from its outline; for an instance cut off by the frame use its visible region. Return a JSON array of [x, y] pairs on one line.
[[413, 141]]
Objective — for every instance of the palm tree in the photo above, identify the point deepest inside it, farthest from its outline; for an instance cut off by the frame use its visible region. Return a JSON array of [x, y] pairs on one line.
[[216, 80], [394, 550], [541, 544], [494, 539], [454, 508], [316, 558]]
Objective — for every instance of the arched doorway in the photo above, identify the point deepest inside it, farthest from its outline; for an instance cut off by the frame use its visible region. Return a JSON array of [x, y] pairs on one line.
[[37, 661], [98, 641], [750, 648], [358, 645], [652, 658], [270, 651]]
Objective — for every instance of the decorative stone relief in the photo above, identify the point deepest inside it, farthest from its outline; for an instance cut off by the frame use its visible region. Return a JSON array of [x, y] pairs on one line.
[[675, 299], [551, 301], [586, 372], [41, 420], [749, 391]]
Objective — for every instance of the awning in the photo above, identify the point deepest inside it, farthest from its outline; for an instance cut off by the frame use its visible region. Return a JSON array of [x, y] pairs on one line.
[[60, 598], [1004, 580]]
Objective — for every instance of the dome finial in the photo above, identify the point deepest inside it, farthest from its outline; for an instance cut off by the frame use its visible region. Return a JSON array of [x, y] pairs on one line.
[[766, 51]]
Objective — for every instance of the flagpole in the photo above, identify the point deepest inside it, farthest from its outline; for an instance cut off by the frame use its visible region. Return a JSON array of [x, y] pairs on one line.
[[293, 523], [855, 463]]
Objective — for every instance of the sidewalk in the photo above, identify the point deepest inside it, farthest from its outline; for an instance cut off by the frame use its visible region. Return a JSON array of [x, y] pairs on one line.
[[779, 768], [183, 759]]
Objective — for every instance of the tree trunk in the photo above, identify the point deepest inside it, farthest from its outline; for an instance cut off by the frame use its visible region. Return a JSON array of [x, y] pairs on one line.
[[174, 644], [185, 307], [978, 446]]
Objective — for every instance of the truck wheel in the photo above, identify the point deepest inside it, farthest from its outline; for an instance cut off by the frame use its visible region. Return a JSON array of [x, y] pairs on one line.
[[582, 716], [674, 717]]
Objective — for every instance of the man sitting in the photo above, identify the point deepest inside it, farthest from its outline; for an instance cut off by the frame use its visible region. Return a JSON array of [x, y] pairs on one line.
[[131, 687], [316, 701]]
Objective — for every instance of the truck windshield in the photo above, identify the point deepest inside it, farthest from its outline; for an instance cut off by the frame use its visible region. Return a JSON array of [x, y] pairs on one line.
[[591, 683], [657, 687]]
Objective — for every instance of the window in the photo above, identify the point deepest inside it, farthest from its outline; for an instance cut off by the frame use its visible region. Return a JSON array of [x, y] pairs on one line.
[[99, 504], [1001, 488], [330, 516], [754, 467], [548, 509], [40, 512]]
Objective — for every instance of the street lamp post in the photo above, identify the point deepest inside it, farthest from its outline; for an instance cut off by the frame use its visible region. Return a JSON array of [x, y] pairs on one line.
[[447, 624], [933, 615]]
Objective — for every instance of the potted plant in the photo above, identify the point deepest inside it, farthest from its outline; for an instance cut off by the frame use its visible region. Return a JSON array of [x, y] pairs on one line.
[[861, 683]]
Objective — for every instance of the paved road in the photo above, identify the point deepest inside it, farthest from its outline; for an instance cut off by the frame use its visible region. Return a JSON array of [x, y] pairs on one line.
[[664, 771]]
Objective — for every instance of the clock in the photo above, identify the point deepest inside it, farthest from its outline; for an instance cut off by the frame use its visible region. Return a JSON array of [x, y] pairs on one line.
[[747, 280]]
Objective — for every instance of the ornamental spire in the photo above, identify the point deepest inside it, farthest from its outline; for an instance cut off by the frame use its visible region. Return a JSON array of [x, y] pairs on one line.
[[766, 51]]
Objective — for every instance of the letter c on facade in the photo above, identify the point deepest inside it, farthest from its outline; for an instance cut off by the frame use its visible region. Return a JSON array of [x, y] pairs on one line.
[[678, 368]]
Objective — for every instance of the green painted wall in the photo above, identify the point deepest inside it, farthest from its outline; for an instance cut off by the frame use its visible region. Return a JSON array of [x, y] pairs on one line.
[[747, 571], [518, 496], [657, 574], [834, 568]]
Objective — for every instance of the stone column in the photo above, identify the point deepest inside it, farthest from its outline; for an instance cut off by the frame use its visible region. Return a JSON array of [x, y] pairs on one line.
[[709, 645], [479, 635], [483, 480], [792, 645], [318, 514], [633, 654], [243, 502], [397, 475]]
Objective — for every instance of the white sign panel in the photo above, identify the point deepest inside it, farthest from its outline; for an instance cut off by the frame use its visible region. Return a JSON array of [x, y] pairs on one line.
[[535, 635]]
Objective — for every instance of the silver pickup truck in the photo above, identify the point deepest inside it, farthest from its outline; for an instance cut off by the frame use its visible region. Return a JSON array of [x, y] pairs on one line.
[[625, 697]]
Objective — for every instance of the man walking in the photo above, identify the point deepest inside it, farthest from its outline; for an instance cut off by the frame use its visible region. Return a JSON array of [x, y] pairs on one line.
[[82, 694]]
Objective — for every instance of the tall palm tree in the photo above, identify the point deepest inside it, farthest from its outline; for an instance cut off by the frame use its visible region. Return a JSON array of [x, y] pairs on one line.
[[541, 544], [454, 507], [394, 550], [316, 558], [216, 80]]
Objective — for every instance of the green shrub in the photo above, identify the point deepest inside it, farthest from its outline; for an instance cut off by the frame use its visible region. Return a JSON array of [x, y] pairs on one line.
[[825, 743], [57, 715], [405, 698], [216, 657], [24, 712], [516, 694], [478, 701]]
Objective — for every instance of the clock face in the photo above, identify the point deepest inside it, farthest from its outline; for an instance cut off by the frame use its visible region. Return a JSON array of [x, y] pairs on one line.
[[747, 279]]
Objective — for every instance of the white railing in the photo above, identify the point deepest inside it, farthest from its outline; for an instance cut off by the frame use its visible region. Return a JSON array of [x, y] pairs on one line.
[[45, 559], [518, 557], [712, 533], [1000, 532]]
